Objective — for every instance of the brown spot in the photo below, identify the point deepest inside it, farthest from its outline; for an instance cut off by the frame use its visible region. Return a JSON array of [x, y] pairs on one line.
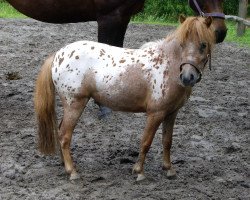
[[156, 67], [102, 52], [163, 92], [61, 60], [122, 61], [92, 48], [77, 57], [155, 81], [96, 72], [56, 70], [151, 52], [72, 54], [165, 73], [158, 60], [62, 53]]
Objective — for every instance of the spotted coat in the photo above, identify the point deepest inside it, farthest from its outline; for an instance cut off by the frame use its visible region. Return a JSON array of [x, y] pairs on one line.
[[106, 66]]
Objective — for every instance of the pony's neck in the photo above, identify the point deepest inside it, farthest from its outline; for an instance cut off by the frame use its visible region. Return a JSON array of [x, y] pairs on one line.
[[170, 48]]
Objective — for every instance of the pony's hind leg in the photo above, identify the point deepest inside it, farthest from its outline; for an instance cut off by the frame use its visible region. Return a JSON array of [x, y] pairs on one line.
[[71, 115]]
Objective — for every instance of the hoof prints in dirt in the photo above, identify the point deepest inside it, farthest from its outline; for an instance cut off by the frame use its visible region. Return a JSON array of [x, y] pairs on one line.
[[211, 138]]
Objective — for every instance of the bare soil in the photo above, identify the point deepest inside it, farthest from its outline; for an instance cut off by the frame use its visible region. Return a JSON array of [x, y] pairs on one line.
[[211, 142]]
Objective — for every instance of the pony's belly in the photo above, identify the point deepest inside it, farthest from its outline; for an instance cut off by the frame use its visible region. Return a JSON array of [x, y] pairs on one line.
[[121, 100]]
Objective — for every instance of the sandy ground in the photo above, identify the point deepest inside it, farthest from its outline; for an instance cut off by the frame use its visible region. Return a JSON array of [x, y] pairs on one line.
[[211, 143]]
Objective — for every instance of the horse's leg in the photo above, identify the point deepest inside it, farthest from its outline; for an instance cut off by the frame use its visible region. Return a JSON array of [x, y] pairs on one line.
[[112, 29], [167, 132], [71, 115], [152, 124]]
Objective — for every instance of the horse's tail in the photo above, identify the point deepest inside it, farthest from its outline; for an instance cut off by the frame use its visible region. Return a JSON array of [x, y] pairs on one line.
[[44, 102]]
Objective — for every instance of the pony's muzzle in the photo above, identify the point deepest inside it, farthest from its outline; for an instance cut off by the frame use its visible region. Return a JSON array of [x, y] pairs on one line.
[[189, 75]]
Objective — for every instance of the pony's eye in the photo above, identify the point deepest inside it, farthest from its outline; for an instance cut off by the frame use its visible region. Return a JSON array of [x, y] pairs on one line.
[[203, 45]]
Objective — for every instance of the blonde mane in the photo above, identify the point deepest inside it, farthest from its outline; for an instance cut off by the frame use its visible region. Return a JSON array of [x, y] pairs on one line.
[[194, 29]]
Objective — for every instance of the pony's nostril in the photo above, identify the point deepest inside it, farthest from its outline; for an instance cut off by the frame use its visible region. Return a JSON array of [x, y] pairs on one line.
[[191, 77]]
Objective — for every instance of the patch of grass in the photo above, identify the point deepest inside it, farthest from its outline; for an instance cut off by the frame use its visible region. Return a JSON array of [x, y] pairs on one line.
[[7, 11], [232, 35]]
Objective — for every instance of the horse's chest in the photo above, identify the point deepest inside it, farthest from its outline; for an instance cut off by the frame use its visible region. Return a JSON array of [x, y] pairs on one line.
[[158, 80]]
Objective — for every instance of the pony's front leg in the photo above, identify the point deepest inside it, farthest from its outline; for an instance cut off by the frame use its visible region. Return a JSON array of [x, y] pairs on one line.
[[153, 122], [167, 132], [70, 118]]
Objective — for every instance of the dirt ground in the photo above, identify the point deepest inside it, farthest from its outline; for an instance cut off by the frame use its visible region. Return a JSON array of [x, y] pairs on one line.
[[211, 142]]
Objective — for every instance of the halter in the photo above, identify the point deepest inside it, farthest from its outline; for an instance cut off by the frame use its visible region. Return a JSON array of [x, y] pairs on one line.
[[213, 14], [197, 68]]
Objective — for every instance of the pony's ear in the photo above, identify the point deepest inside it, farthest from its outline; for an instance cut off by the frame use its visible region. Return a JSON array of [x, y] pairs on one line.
[[182, 18], [208, 21]]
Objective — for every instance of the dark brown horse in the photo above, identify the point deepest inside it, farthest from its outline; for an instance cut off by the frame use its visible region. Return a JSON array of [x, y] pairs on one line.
[[112, 16]]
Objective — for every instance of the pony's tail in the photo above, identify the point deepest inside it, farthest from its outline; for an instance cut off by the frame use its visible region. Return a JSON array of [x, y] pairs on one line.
[[44, 102]]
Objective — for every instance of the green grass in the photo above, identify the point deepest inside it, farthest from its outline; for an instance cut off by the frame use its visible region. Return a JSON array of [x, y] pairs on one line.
[[232, 35], [7, 11]]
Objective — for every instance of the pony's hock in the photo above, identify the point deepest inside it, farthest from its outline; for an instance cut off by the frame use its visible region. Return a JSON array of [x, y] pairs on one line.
[[132, 80]]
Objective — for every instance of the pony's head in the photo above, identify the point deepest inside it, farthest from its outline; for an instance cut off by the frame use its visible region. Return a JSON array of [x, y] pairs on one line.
[[196, 39]]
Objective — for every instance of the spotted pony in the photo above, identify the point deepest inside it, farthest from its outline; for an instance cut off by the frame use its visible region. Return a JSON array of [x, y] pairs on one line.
[[156, 79]]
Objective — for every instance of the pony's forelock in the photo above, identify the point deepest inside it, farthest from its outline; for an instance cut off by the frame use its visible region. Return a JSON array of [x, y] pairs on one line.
[[195, 29]]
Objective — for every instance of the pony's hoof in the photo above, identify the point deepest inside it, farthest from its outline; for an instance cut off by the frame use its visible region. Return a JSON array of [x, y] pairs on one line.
[[171, 173], [136, 169], [140, 177], [74, 176], [104, 112]]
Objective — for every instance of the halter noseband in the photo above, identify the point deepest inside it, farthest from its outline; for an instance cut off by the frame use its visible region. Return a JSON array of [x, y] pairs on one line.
[[213, 14], [195, 66]]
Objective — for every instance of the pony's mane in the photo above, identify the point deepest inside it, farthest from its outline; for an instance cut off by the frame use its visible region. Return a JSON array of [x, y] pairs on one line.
[[195, 29]]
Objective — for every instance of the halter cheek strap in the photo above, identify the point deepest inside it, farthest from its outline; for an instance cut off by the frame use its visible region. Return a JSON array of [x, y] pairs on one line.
[[213, 14]]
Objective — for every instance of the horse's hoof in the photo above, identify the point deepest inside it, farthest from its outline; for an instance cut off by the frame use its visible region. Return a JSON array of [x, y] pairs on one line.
[[141, 177], [74, 176], [171, 173], [136, 169], [104, 112]]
